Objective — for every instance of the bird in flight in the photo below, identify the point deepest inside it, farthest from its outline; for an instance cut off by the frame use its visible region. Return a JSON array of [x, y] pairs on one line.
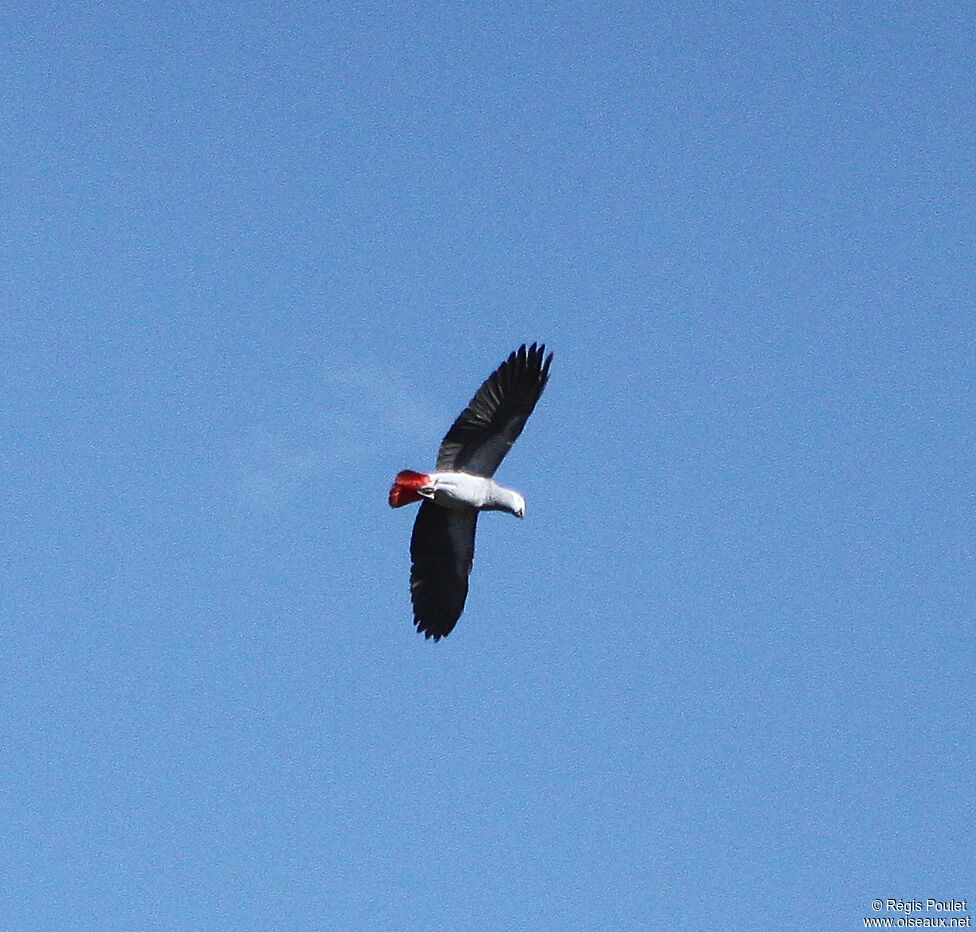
[[442, 545]]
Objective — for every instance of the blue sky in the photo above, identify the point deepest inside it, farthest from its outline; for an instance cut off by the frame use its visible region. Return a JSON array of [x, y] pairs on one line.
[[255, 260]]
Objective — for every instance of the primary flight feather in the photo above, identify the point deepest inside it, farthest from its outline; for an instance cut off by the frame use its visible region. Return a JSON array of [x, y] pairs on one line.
[[442, 545]]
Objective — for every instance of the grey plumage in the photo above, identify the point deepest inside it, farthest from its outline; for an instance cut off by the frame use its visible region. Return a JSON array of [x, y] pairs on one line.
[[485, 431], [442, 544]]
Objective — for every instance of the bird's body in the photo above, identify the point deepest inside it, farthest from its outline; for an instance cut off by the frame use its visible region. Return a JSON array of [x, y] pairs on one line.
[[442, 544], [460, 490]]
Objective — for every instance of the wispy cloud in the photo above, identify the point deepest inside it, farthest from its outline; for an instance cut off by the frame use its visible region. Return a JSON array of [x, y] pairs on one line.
[[353, 422], [268, 472], [377, 397]]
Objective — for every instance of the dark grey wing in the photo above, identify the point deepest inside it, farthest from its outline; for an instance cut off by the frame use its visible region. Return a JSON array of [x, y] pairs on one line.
[[485, 431], [442, 551]]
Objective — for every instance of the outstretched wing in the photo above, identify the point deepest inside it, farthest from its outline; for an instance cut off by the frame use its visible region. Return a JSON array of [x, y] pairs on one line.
[[485, 431], [442, 551]]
